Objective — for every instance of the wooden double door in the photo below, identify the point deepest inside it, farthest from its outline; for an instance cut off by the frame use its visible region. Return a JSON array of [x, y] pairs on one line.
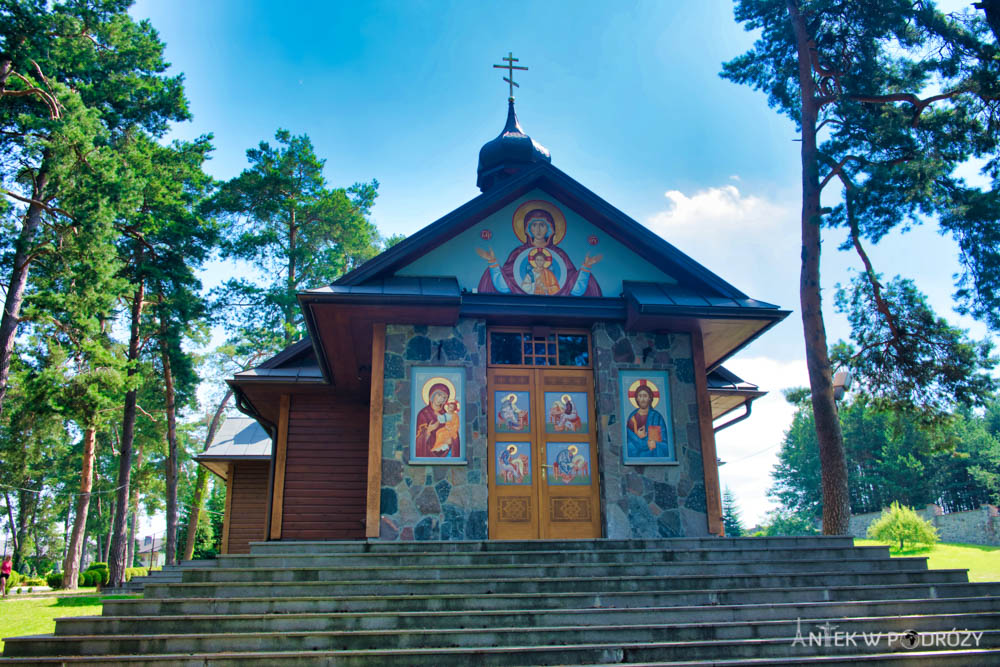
[[543, 477]]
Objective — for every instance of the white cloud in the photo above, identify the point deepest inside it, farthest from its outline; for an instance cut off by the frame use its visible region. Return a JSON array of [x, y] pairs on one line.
[[750, 448], [715, 210]]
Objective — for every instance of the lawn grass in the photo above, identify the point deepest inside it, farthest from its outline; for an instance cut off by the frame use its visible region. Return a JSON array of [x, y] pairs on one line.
[[983, 563], [36, 615]]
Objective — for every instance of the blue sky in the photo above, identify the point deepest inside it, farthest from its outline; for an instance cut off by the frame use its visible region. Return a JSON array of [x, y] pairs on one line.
[[627, 99]]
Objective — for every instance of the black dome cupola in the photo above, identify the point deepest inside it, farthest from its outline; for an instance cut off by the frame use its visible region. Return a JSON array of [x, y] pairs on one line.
[[509, 153], [513, 150]]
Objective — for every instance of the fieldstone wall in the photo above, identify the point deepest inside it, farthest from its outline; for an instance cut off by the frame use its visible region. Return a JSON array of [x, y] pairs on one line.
[[434, 502], [649, 500], [981, 526]]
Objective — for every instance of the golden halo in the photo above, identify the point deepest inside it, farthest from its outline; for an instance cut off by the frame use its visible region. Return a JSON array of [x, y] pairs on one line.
[[512, 449], [425, 391], [572, 450], [557, 217], [512, 398], [565, 397], [635, 385]]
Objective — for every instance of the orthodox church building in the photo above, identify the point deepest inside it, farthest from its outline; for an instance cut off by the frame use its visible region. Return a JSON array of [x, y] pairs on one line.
[[534, 364]]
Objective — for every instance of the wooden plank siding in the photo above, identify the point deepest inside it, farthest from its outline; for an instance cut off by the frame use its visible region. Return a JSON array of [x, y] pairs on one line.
[[246, 505], [326, 469]]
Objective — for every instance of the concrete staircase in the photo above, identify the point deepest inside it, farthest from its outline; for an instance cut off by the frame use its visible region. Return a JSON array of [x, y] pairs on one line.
[[729, 601], [167, 574]]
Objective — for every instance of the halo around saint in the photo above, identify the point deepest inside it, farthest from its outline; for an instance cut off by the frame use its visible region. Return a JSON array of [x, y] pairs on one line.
[[557, 217], [635, 385], [425, 391]]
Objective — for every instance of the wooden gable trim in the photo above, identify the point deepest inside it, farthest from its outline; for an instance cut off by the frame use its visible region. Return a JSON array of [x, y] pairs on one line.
[[228, 511], [373, 512], [280, 449], [709, 457]]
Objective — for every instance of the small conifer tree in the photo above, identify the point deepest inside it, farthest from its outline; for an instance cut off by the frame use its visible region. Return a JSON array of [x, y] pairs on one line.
[[902, 523], [731, 515]]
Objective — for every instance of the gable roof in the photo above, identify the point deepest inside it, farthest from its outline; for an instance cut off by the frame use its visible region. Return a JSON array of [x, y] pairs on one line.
[[591, 207]]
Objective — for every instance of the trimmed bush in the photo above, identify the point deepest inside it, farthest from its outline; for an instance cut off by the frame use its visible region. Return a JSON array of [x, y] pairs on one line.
[[54, 579], [902, 523], [135, 572], [103, 569], [14, 579]]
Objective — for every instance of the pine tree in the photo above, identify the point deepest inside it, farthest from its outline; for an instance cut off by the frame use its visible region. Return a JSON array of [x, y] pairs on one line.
[[889, 98], [731, 515]]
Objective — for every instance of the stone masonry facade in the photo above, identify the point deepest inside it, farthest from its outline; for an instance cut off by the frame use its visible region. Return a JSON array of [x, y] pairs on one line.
[[449, 502], [649, 500], [434, 502]]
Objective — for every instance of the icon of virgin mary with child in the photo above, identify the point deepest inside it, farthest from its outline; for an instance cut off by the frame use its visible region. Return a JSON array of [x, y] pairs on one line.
[[438, 423], [538, 265]]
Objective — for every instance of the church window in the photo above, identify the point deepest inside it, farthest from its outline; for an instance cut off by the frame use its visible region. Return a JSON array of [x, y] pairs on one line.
[[509, 347]]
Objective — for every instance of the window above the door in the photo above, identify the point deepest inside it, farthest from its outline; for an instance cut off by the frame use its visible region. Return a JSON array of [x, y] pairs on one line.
[[539, 347]]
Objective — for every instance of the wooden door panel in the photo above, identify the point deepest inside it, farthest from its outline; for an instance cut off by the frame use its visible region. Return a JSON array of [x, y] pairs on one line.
[[512, 462], [569, 493]]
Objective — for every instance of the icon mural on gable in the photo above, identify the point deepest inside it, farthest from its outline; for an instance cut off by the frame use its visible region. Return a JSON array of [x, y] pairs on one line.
[[538, 265]]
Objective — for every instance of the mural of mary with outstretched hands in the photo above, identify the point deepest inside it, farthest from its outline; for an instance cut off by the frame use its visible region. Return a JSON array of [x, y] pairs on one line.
[[538, 266]]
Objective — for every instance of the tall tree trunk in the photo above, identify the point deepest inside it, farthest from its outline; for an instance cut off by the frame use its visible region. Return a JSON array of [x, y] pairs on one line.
[[19, 274], [290, 308], [134, 513], [106, 552], [10, 519], [832, 456], [170, 463], [201, 485], [116, 562], [69, 513], [71, 566]]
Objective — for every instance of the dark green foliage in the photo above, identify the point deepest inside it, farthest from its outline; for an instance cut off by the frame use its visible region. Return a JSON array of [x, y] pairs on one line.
[[783, 522], [282, 217], [910, 359], [731, 515], [892, 457], [54, 580], [906, 95], [101, 568]]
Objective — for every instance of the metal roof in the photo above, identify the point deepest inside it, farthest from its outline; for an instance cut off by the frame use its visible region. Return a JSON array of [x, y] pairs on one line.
[[653, 296], [395, 286], [239, 437]]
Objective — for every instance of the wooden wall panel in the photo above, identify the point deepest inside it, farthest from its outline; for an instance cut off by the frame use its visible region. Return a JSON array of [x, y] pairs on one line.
[[326, 469], [246, 505]]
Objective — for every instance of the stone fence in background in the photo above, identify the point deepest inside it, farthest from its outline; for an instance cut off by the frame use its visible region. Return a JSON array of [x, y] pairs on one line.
[[981, 526]]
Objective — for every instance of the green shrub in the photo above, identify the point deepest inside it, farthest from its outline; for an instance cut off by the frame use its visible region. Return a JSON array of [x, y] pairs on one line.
[[902, 523], [103, 569], [135, 572], [54, 579], [81, 580], [13, 579]]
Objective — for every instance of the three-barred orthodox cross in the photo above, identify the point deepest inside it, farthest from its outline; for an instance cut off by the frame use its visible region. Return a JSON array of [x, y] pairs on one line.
[[510, 67]]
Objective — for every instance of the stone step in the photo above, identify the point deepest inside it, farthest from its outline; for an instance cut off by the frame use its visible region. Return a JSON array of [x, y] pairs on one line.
[[457, 558], [384, 574], [674, 543], [514, 601], [515, 656], [548, 584], [528, 617], [686, 640]]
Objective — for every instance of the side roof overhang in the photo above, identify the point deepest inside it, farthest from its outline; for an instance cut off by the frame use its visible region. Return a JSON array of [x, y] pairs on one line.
[[240, 438]]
